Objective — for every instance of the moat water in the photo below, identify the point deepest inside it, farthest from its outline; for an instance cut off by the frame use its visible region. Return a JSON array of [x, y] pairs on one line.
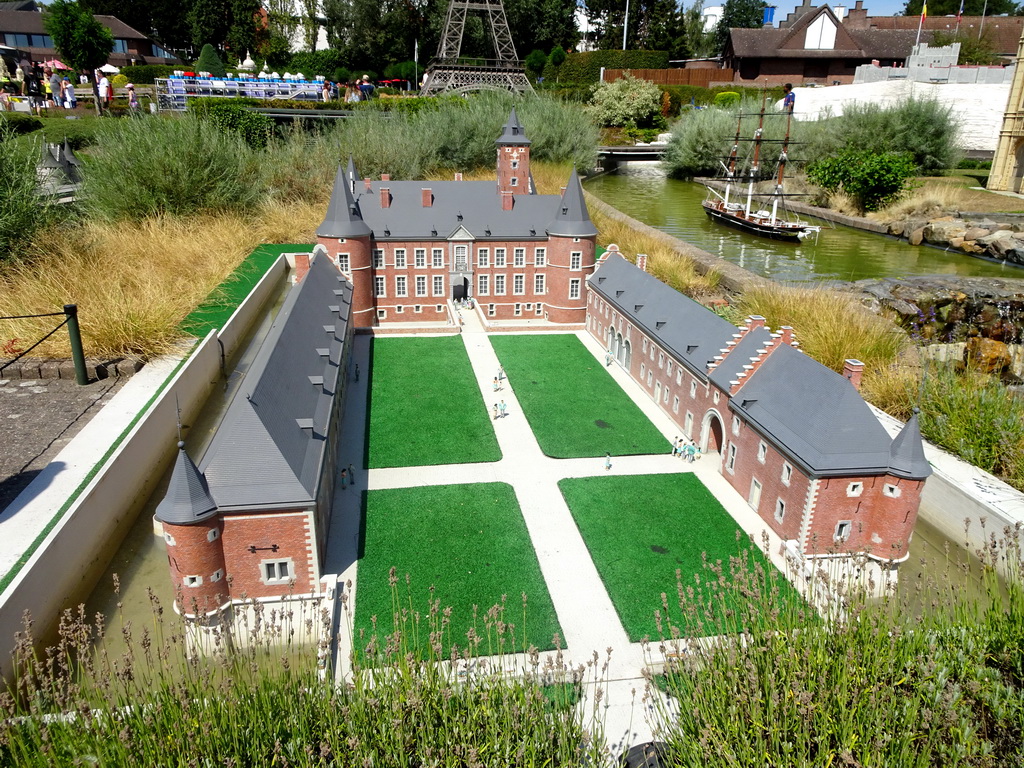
[[642, 191]]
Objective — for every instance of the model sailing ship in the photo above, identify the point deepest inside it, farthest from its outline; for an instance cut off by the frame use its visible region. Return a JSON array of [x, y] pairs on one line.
[[721, 207]]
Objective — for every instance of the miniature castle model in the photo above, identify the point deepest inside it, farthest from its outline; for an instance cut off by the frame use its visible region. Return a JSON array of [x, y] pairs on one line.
[[251, 522], [410, 246], [795, 438]]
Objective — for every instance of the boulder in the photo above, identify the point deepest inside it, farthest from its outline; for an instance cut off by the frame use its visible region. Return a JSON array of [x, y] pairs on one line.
[[916, 237], [973, 233], [896, 228], [987, 355], [939, 232], [956, 242], [1015, 255], [999, 234]]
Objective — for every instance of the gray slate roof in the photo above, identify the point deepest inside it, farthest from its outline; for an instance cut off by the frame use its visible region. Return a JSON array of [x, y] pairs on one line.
[[768, 43], [682, 326], [738, 356], [572, 219], [343, 218], [906, 458], [513, 132], [269, 448], [188, 497]]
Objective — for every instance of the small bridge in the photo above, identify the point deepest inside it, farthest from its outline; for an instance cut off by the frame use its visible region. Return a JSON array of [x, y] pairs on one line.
[[627, 153]]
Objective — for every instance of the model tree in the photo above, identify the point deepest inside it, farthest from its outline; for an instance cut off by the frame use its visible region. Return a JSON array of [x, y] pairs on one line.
[[209, 61], [748, 14], [81, 42]]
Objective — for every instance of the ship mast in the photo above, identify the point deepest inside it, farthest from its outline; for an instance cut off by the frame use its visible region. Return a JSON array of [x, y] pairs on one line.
[[755, 163], [730, 171], [783, 158]]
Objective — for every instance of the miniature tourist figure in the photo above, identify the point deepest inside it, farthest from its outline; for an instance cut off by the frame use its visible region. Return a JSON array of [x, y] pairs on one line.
[[501, 373], [675, 445], [357, 371], [495, 411], [351, 474], [495, 383], [503, 408], [343, 478], [789, 100], [607, 462]]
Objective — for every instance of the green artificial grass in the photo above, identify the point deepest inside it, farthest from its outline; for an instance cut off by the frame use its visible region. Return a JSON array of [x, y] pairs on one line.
[[425, 405], [225, 298], [459, 545], [574, 406], [641, 529]]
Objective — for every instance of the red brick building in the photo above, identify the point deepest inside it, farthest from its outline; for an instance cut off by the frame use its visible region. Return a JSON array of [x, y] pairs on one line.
[[409, 247], [251, 520], [793, 437]]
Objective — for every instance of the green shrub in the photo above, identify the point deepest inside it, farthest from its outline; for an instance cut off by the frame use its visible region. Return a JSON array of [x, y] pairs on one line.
[[624, 101], [586, 67], [535, 62], [209, 61], [232, 116], [699, 142], [922, 127], [342, 75], [18, 124], [120, 80], [726, 99], [146, 74], [872, 179], [79, 133], [179, 165], [313, 63], [21, 212]]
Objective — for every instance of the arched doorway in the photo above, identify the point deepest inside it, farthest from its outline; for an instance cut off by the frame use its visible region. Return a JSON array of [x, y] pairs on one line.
[[712, 433], [627, 355], [611, 340], [620, 350]]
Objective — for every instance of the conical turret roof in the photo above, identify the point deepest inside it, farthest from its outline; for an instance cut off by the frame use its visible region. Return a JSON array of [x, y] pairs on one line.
[[350, 172], [513, 132], [906, 456], [573, 218], [188, 498], [343, 217]]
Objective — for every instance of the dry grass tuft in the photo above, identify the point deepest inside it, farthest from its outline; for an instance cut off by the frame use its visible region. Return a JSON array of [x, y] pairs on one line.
[[892, 388], [134, 283], [932, 198], [549, 177], [829, 326]]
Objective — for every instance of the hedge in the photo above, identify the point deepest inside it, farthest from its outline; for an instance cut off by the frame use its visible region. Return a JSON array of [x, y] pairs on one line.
[[146, 74], [681, 96], [20, 123], [586, 67]]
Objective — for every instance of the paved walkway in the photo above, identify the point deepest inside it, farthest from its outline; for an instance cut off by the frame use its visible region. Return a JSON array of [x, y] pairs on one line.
[[594, 633]]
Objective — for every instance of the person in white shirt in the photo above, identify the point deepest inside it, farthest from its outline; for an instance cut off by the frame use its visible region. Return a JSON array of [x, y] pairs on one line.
[[104, 89]]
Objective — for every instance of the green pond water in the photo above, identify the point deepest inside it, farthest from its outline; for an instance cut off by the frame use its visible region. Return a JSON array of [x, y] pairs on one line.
[[642, 191]]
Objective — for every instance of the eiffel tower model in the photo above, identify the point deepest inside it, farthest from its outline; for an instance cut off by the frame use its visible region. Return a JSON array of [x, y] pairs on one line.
[[503, 73]]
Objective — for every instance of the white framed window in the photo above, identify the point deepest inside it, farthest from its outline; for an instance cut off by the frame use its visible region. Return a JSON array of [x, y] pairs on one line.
[[735, 425], [213, 534], [892, 491], [515, 164], [344, 262], [417, 308], [378, 258], [754, 499], [499, 257], [437, 257], [650, 378], [217, 575], [483, 256], [438, 308], [576, 260], [540, 257], [438, 285], [518, 257], [668, 368], [420, 258], [644, 346], [169, 539], [675, 404], [515, 182], [492, 310], [529, 306], [679, 377], [462, 257], [843, 530], [643, 371], [518, 284], [400, 258], [518, 310], [731, 464], [539, 309], [780, 510], [421, 285], [762, 451], [399, 309], [378, 286], [401, 286], [787, 473], [855, 489], [499, 285], [482, 285], [661, 360], [716, 396], [688, 424], [192, 581], [277, 571], [664, 395], [382, 314], [693, 388], [574, 288], [538, 285], [652, 352]]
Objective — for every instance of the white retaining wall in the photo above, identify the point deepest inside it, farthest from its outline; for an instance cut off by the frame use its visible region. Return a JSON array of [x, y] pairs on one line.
[[79, 547]]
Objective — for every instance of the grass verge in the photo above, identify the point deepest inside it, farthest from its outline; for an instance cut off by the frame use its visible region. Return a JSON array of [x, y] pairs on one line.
[[646, 532], [425, 405], [574, 406], [464, 547]]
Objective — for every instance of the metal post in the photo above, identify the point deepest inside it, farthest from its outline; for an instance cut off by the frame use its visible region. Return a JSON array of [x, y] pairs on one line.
[[81, 376], [625, 25]]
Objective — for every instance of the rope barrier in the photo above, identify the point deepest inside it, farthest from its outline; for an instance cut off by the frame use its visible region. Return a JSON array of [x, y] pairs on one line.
[[26, 317]]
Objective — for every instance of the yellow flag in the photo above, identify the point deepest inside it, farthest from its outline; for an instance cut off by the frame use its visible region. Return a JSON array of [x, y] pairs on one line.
[[924, 10]]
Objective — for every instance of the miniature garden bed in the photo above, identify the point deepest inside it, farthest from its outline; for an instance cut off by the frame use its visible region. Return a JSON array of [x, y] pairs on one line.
[[642, 529], [425, 405], [574, 406], [465, 547]]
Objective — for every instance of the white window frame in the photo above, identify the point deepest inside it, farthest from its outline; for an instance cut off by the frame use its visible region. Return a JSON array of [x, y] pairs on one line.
[[518, 257], [854, 489], [500, 256], [499, 285], [518, 310], [675, 404], [539, 285], [892, 491], [421, 285], [420, 258], [345, 262], [380, 289], [492, 310], [731, 463], [378, 258], [787, 473], [483, 256], [688, 424], [438, 285], [843, 530], [401, 286], [576, 261], [574, 288], [400, 261], [735, 424], [519, 285], [762, 451], [693, 388], [277, 571], [483, 287], [540, 257], [437, 258], [192, 580], [780, 510]]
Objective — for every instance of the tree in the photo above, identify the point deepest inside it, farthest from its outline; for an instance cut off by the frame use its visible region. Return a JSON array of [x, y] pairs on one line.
[[81, 42], [209, 61], [557, 56], [310, 23], [872, 179], [626, 100], [700, 43], [242, 31], [281, 18], [208, 20], [972, 50], [535, 61], [744, 14]]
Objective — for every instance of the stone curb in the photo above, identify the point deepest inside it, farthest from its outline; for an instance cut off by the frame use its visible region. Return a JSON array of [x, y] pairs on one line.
[[35, 368]]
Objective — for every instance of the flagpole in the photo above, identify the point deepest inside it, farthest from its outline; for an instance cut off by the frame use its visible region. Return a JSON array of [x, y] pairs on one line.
[[959, 16], [981, 26], [920, 22]]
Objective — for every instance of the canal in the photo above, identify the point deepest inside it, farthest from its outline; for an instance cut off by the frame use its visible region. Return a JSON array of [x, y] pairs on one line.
[[642, 191]]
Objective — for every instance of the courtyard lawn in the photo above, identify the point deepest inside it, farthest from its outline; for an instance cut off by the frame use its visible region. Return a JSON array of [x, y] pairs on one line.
[[465, 547], [574, 406], [425, 406], [641, 529]]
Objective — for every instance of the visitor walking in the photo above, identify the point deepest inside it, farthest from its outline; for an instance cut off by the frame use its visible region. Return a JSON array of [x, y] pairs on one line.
[[501, 373], [53, 82], [351, 474], [789, 100], [607, 462], [691, 452], [68, 94], [675, 446], [495, 411], [357, 371], [133, 100], [325, 92], [496, 387], [344, 477], [503, 408], [607, 359], [366, 89]]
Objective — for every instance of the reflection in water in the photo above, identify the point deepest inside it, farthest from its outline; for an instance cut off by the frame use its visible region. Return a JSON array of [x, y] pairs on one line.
[[642, 191]]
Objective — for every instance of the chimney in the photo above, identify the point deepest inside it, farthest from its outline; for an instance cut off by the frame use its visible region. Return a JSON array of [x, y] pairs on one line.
[[641, 261], [853, 370], [301, 266], [458, 175], [385, 197], [506, 200], [367, 182], [755, 321], [385, 177], [786, 334], [428, 198]]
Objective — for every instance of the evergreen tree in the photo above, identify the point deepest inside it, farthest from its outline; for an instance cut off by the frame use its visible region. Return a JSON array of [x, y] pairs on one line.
[[81, 42], [209, 61], [745, 14], [208, 20], [242, 32], [700, 44]]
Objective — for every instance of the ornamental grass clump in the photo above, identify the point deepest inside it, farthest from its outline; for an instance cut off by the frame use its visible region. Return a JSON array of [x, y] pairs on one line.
[[260, 698], [886, 682]]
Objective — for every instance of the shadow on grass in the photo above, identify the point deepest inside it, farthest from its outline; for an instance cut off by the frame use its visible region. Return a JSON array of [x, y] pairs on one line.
[[369, 409]]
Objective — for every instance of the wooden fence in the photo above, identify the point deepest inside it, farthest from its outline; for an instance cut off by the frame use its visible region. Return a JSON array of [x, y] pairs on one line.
[[701, 77]]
